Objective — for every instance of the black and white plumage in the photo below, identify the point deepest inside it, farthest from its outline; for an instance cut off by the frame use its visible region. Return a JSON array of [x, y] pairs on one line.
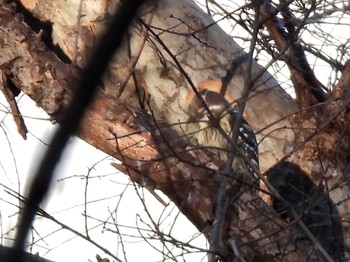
[[214, 130]]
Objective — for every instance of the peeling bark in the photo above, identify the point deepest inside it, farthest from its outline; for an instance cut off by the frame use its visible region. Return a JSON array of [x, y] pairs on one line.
[[127, 134], [308, 89], [150, 143]]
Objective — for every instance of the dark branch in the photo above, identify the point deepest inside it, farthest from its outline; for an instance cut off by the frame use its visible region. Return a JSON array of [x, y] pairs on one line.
[[71, 119]]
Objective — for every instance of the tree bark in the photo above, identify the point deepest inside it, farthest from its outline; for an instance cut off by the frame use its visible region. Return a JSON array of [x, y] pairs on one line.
[[140, 117]]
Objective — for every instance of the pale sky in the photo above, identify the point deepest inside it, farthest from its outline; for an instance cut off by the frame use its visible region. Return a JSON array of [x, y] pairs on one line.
[[108, 191]]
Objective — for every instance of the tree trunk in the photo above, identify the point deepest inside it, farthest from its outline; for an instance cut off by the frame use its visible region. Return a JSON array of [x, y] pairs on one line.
[[140, 117]]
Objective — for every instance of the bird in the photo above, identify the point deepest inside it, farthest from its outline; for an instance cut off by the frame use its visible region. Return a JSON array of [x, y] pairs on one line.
[[213, 119]]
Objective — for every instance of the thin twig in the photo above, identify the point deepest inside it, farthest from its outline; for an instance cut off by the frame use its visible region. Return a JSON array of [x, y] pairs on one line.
[[109, 43]]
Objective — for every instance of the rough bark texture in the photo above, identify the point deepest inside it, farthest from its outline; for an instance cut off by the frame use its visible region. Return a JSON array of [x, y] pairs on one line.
[[154, 153]]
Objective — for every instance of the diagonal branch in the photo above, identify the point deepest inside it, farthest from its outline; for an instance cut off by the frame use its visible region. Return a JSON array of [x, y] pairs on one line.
[[151, 160], [308, 89], [71, 118]]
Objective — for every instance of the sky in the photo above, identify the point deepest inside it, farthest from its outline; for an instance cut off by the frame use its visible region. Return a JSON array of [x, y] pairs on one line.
[[109, 196]]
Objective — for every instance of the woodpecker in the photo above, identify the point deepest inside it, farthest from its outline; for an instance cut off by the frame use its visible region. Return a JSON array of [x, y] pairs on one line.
[[213, 120]]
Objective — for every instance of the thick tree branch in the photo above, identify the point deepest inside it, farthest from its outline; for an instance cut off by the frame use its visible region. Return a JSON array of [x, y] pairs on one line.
[[133, 136], [308, 89], [177, 172], [342, 89], [72, 116]]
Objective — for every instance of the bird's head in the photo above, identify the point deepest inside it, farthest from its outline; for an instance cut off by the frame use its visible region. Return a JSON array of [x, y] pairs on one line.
[[206, 101]]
